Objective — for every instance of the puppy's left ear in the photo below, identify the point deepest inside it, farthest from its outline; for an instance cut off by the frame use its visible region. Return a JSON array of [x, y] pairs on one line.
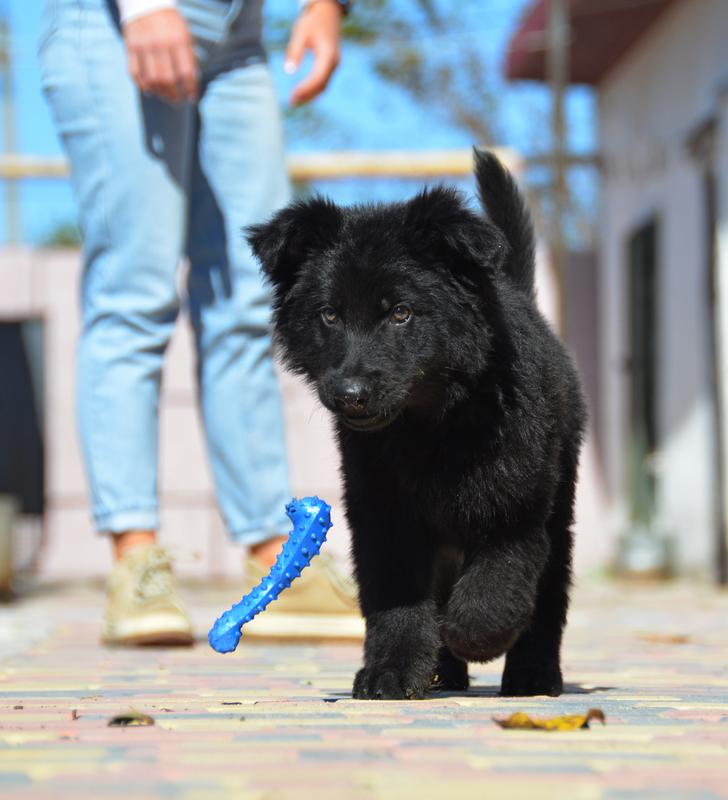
[[284, 243], [451, 229]]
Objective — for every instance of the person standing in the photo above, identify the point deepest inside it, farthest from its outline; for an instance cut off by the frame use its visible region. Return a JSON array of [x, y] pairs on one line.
[[168, 115]]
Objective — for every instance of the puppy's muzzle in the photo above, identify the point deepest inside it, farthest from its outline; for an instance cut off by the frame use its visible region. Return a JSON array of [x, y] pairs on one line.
[[351, 396]]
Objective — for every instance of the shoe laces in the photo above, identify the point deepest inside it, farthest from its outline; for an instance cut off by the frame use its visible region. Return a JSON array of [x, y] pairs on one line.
[[155, 577]]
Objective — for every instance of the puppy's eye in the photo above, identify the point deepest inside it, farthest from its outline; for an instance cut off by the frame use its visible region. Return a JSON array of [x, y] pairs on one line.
[[329, 315], [400, 315]]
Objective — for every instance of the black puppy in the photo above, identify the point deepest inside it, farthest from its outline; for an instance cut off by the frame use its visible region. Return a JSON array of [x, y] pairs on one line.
[[459, 418]]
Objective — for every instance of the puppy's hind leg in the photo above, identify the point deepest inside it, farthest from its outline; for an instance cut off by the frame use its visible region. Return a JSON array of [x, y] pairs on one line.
[[533, 665], [452, 673]]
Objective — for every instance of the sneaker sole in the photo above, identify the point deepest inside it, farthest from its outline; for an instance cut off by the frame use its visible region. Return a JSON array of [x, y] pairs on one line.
[[156, 629], [308, 627]]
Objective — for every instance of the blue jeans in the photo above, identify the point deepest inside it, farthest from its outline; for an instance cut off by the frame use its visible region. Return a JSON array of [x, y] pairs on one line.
[[155, 182]]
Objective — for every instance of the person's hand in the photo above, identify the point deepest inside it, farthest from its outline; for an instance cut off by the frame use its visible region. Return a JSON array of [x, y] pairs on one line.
[[160, 55], [318, 29]]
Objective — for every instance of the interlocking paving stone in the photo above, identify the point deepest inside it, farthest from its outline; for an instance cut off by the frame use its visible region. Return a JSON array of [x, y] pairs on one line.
[[278, 721]]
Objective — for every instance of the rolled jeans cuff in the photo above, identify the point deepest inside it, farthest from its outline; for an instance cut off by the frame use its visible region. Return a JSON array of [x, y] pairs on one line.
[[130, 519], [260, 533]]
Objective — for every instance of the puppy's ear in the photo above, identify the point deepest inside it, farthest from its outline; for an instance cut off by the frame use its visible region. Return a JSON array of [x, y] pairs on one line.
[[284, 242], [452, 230]]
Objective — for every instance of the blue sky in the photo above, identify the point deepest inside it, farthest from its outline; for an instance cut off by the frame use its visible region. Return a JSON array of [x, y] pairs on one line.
[[368, 114]]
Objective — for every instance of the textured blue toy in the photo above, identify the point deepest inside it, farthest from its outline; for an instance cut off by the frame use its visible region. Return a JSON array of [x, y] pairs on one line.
[[311, 518]]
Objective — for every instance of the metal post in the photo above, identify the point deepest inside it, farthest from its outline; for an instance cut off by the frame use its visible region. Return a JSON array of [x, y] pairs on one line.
[[558, 75], [703, 145], [12, 205], [717, 378], [8, 512]]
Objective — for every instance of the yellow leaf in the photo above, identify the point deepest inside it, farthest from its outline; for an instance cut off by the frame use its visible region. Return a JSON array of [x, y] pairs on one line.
[[665, 638], [569, 722], [131, 719]]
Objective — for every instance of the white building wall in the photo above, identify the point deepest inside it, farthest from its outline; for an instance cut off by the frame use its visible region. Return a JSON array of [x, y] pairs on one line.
[[593, 549], [43, 283], [659, 94]]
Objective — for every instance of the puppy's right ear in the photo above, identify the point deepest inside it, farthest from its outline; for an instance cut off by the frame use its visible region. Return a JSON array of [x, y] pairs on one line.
[[283, 243]]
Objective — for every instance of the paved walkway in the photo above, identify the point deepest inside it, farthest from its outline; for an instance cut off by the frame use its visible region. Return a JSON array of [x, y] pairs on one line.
[[278, 722]]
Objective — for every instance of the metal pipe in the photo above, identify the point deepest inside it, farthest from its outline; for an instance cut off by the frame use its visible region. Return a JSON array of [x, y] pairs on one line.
[[558, 75]]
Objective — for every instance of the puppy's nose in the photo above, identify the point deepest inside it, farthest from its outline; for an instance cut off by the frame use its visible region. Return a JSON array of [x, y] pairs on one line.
[[351, 395]]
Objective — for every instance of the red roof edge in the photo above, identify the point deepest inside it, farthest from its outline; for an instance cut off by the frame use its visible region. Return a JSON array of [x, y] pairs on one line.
[[602, 32]]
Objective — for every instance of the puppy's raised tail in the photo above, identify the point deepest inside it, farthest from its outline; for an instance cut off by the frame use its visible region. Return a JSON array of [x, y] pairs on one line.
[[503, 203]]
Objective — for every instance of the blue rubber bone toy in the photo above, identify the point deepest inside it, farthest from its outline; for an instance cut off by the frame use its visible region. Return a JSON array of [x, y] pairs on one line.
[[311, 518]]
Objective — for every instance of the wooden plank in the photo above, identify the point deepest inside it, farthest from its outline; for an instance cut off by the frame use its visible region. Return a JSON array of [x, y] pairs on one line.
[[328, 165]]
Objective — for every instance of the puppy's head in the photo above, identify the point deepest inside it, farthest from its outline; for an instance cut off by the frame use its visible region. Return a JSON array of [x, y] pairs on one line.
[[385, 309]]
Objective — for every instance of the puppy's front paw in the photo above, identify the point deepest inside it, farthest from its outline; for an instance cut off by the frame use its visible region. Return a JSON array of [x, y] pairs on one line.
[[386, 683], [532, 680]]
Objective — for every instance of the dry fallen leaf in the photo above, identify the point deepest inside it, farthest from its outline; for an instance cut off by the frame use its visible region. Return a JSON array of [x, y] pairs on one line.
[[569, 722], [131, 718]]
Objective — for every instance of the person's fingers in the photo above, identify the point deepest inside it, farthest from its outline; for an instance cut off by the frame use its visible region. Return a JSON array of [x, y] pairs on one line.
[[163, 80], [185, 68], [160, 54], [295, 51], [135, 66], [139, 68], [315, 82], [169, 73], [148, 62]]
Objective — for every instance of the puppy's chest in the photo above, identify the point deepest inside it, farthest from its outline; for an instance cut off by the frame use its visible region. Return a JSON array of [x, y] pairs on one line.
[[444, 481]]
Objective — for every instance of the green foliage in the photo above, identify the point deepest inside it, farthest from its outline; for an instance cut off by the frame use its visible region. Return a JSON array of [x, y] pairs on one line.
[[64, 235], [425, 48]]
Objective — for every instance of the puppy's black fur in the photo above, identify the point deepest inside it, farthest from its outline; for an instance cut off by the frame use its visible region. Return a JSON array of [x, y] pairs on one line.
[[459, 418]]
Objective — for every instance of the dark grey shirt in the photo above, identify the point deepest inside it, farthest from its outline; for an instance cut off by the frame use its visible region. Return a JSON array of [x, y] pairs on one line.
[[243, 44]]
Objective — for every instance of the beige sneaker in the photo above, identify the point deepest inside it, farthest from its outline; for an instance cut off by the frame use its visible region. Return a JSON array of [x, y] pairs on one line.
[[320, 604], [142, 605]]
